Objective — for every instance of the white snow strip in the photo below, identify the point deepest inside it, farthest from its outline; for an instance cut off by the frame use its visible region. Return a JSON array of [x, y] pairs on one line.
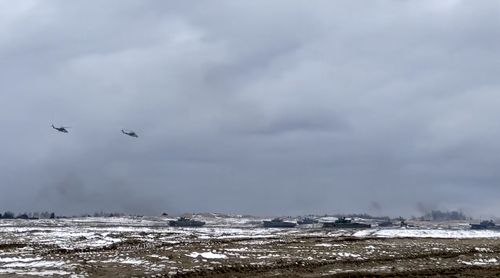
[[36, 264], [132, 261], [323, 245], [37, 273], [428, 233], [18, 259], [346, 254], [207, 255], [480, 262]]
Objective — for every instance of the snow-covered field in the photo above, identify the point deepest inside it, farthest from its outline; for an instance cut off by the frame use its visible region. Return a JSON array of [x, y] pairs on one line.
[[85, 247]]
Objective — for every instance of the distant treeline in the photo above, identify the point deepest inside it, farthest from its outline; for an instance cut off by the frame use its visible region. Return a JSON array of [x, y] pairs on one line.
[[100, 214], [52, 215], [104, 214], [26, 215]]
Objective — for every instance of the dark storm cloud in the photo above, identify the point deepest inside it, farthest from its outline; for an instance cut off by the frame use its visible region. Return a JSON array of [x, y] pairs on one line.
[[252, 107]]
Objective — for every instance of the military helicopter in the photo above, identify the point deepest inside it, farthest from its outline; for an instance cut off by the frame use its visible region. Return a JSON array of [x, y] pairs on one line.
[[62, 129], [130, 133]]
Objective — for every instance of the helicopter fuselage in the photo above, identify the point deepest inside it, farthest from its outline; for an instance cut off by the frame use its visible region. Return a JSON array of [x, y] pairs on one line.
[[60, 129]]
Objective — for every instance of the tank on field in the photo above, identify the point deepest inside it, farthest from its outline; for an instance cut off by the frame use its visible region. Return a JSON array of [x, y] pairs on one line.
[[279, 223], [342, 222], [185, 222], [485, 225], [307, 220]]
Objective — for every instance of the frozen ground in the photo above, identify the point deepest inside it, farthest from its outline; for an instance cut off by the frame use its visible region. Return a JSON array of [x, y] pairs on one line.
[[238, 247]]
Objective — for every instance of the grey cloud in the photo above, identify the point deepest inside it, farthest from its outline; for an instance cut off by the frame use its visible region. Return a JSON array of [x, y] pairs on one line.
[[250, 107]]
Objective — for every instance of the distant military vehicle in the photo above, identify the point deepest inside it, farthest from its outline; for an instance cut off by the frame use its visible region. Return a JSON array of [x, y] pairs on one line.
[[279, 223], [130, 133], [342, 222], [386, 223], [485, 225], [307, 220], [390, 223], [402, 222], [62, 129], [185, 222]]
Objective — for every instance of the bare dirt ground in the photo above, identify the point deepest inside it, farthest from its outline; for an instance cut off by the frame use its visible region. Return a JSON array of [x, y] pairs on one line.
[[129, 248]]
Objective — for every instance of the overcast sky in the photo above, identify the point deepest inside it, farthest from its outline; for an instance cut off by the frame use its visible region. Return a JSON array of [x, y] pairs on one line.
[[262, 107]]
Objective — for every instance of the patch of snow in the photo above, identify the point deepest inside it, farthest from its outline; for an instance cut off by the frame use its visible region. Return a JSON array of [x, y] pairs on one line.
[[127, 260], [18, 259], [347, 254], [483, 249], [428, 233], [132, 261], [34, 273], [159, 257], [34, 264], [480, 262], [245, 249], [207, 255], [323, 245]]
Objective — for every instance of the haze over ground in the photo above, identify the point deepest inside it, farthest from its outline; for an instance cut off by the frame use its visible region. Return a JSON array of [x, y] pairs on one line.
[[263, 107]]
